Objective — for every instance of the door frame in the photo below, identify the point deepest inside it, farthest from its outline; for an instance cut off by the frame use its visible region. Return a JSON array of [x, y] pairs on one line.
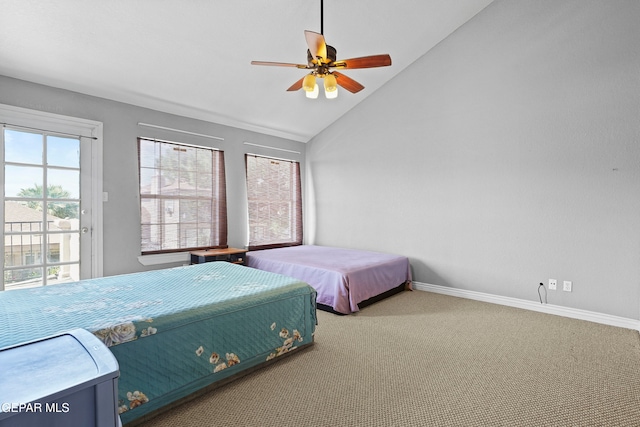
[[44, 121]]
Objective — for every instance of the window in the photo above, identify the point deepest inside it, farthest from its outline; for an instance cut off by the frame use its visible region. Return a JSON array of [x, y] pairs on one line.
[[51, 198], [274, 202], [183, 202]]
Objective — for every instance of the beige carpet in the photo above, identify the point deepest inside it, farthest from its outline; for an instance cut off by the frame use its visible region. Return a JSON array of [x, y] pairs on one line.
[[424, 359]]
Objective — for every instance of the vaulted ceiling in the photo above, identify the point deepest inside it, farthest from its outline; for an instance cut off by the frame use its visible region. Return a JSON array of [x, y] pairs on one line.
[[192, 58]]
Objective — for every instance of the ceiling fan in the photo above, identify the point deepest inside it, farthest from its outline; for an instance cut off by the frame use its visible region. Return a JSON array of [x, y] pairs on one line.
[[321, 60]]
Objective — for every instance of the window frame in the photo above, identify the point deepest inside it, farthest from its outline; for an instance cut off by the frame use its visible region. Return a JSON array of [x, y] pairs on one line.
[[218, 223], [296, 208]]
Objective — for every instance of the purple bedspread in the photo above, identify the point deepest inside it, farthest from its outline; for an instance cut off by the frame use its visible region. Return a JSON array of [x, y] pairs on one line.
[[342, 277]]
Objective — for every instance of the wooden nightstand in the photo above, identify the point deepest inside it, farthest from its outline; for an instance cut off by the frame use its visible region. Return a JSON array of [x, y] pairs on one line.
[[233, 255]]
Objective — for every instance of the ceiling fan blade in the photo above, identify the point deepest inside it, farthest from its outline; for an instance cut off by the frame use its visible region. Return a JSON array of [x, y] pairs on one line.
[[364, 62], [278, 64], [347, 82], [296, 86], [317, 45]]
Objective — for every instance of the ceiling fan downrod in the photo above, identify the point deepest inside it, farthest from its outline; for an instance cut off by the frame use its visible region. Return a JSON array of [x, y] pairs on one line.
[[322, 17]]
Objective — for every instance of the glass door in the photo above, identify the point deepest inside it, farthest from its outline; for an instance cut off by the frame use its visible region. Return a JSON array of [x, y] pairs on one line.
[[47, 229]]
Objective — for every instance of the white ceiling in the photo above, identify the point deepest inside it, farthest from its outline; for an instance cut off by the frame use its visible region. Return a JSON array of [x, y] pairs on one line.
[[192, 58]]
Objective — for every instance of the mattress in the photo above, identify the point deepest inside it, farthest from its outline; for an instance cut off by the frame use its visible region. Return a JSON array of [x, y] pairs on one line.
[[172, 331], [342, 277]]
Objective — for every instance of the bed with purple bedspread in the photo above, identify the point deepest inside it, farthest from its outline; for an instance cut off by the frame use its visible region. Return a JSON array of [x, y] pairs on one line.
[[343, 278]]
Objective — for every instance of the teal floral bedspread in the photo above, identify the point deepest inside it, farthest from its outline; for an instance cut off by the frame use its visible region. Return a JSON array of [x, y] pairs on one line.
[[173, 331]]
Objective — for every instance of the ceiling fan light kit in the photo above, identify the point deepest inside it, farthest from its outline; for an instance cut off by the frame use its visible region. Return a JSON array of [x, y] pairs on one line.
[[330, 83], [309, 82], [321, 58], [314, 93]]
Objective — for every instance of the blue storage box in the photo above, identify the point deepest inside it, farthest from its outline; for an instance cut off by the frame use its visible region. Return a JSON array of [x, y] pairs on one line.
[[69, 379]]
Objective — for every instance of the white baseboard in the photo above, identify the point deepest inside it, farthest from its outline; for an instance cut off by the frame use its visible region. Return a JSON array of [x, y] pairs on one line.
[[573, 313]]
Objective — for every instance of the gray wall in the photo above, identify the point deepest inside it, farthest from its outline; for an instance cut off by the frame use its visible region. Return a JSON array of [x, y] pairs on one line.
[[122, 212], [507, 155]]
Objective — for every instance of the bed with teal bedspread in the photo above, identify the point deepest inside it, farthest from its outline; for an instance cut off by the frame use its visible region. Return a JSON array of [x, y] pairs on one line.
[[173, 331]]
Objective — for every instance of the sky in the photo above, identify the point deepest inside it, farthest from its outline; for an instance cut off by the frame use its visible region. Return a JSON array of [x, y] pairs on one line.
[[25, 162]]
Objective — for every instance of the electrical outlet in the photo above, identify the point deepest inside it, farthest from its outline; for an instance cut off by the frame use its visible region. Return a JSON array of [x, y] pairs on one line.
[[567, 285], [553, 284]]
